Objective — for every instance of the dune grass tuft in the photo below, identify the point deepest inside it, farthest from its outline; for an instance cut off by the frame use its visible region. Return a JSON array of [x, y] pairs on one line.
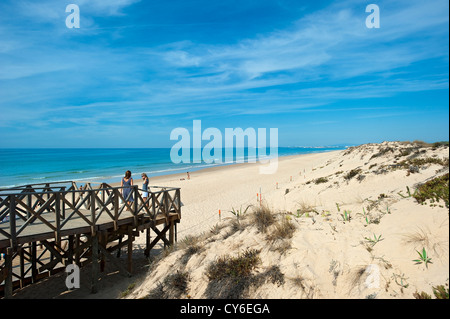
[[263, 217]]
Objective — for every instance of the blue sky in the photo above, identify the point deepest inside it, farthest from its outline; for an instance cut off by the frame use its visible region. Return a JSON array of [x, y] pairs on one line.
[[137, 69]]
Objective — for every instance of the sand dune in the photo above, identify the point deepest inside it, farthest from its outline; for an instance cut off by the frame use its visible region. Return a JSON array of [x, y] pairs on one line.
[[325, 256]]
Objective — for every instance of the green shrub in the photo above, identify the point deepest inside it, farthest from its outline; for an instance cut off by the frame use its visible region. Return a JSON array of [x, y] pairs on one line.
[[235, 267], [320, 180], [173, 287], [434, 190], [440, 292], [352, 173]]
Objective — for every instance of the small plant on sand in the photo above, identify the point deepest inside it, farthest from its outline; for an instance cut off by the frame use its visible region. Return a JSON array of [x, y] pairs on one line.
[[401, 280], [373, 241], [408, 191], [346, 216], [239, 213], [338, 208], [326, 215], [423, 258], [305, 208], [365, 216]]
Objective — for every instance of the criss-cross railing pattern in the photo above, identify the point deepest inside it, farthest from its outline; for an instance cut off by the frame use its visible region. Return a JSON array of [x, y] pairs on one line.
[[45, 208]]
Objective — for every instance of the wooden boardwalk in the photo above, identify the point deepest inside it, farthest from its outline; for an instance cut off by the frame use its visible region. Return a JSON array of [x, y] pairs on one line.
[[45, 227]]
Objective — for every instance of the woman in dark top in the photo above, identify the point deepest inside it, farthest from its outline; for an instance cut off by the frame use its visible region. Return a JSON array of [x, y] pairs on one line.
[[126, 184]]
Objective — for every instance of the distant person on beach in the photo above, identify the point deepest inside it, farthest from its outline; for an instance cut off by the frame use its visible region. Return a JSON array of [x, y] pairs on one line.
[[145, 187], [126, 184], [188, 175]]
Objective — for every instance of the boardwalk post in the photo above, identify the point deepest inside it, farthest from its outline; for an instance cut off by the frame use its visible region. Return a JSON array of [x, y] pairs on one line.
[[103, 241], [9, 271], [95, 266], [147, 242], [33, 262], [22, 266], [166, 213], [70, 249], [29, 201], [77, 250], [57, 218], [136, 205], [12, 220], [116, 208], [92, 197], [178, 197], [171, 233], [130, 249]]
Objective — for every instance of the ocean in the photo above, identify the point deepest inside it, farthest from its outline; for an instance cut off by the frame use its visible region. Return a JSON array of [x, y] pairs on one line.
[[34, 166]]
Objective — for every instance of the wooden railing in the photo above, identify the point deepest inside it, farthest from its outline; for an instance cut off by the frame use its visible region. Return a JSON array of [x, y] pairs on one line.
[[59, 207]]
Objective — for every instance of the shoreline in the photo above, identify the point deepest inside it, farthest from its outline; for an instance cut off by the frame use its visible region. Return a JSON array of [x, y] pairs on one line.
[[216, 168], [114, 177]]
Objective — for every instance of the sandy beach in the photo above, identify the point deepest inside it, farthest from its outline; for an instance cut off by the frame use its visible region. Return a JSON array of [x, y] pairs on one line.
[[355, 228], [328, 256]]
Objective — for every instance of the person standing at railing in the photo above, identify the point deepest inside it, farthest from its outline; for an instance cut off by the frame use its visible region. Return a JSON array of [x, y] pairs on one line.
[[126, 184], [145, 187]]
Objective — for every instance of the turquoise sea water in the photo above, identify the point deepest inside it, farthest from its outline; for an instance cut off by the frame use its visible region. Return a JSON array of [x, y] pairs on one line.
[[33, 166]]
